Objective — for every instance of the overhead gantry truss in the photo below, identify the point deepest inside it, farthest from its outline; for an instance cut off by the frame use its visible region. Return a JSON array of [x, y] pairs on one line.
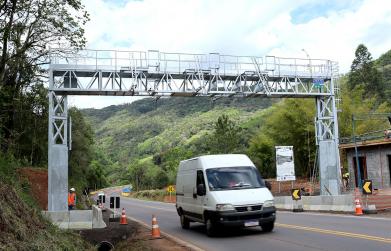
[[176, 74]]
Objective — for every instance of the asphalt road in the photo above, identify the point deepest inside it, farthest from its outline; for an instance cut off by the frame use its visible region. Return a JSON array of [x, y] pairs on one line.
[[293, 231]]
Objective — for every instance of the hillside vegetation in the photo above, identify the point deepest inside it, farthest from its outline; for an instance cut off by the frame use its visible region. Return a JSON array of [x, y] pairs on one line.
[[143, 142]]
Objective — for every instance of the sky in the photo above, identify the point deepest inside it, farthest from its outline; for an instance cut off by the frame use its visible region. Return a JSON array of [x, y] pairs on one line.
[[327, 29]]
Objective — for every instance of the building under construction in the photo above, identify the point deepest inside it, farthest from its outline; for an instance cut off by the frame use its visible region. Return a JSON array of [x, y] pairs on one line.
[[374, 160]]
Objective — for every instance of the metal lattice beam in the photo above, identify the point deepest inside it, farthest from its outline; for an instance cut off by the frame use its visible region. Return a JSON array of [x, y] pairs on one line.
[[178, 74]]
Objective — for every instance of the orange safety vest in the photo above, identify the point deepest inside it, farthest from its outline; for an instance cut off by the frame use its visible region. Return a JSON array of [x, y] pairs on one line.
[[71, 199]]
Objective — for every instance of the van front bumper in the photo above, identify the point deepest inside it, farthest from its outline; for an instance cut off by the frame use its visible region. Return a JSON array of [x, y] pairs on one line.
[[238, 219]]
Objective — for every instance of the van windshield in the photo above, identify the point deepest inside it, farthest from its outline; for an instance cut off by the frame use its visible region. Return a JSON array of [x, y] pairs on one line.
[[229, 178]]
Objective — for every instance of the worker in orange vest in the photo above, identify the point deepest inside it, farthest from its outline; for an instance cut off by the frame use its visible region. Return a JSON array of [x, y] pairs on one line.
[[71, 199]]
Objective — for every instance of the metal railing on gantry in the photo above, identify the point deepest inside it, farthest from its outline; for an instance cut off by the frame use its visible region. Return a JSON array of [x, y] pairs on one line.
[[107, 72]]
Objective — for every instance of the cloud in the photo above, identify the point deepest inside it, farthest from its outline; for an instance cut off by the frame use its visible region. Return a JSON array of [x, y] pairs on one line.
[[98, 101], [321, 8], [328, 29]]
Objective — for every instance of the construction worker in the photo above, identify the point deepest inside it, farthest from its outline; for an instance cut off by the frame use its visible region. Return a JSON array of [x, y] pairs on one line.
[[387, 134], [345, 177], [71, 199]]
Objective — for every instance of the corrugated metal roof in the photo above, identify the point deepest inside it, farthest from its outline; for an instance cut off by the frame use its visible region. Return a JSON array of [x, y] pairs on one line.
[[366, 143]]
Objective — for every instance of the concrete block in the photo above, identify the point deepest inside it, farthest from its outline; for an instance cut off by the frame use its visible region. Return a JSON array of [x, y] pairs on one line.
[[298, 207], [338, 203], [80, 219], [80, 215], [75, 219], [56, 216], [370, 209], [97, 218], [78, 225]]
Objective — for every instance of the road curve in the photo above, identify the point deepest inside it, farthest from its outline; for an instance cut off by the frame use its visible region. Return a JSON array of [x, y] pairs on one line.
[[293, 231]]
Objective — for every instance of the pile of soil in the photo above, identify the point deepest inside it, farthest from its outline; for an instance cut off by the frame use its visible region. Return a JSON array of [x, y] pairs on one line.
[[113, 233], [38, 181], [142, 241], [169, 199], [283, 188], [128, 237]]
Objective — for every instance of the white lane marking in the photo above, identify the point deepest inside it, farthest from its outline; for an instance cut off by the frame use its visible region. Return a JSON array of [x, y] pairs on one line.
[[338, 233], [337, 215]]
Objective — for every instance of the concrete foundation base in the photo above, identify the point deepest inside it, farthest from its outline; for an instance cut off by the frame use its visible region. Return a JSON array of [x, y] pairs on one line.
[[297, 208], [370, 209], [76, 219]]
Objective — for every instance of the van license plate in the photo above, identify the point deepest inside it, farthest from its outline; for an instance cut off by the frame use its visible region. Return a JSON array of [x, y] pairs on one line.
[[251, 223]]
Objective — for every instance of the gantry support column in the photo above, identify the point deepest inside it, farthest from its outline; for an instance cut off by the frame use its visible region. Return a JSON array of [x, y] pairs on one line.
[[57, 153], [327, 139]]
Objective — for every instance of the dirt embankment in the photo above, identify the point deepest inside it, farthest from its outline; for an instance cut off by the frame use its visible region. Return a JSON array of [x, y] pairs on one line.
[[38, 181]]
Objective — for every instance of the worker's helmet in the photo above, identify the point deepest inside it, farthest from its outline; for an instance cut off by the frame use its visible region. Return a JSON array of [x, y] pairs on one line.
[[72, 189]]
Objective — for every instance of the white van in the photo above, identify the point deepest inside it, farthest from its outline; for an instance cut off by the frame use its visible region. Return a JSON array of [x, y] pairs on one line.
[[223, 190]]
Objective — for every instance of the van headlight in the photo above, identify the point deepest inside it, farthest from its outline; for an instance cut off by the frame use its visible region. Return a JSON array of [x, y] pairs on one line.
[[268, 203], [224, 207]]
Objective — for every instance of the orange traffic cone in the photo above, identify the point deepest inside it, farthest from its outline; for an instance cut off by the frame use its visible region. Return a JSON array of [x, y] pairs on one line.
[[358, 207], [155, 228], [124, 220]]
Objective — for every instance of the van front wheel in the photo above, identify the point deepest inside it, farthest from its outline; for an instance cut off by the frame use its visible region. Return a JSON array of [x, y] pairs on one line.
[[185, 222], [210, 228], [268, 227]]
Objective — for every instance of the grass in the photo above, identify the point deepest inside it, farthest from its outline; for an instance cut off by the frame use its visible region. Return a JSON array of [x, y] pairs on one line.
[[155, 195]]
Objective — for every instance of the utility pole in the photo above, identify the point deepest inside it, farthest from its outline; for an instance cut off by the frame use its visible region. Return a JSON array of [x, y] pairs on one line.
[[356, 153]]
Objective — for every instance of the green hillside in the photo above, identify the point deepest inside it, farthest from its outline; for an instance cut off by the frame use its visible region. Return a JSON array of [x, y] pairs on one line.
[[146, 129]]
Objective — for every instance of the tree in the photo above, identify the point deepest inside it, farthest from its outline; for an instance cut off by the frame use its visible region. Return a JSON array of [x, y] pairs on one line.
[[261, 152], [363, 72], [30, 132], [353, 103], [28, 29], [226, 135], [383, 63], [289, 122], [81, 155]]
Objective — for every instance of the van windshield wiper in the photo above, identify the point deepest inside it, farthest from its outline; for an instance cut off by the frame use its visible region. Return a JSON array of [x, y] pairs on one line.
[[242, 184]]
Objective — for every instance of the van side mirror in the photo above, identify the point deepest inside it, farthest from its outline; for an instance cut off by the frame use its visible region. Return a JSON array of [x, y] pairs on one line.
[[201, 190], [268, 185]]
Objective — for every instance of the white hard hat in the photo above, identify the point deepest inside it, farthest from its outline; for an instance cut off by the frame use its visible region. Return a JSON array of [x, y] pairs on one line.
[[72, 189]]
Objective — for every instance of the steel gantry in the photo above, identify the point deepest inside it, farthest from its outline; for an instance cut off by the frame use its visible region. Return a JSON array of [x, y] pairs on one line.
[[155, 73]]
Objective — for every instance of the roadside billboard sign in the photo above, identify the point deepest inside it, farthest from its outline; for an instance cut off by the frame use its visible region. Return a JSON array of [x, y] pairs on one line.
[[284, 163]]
